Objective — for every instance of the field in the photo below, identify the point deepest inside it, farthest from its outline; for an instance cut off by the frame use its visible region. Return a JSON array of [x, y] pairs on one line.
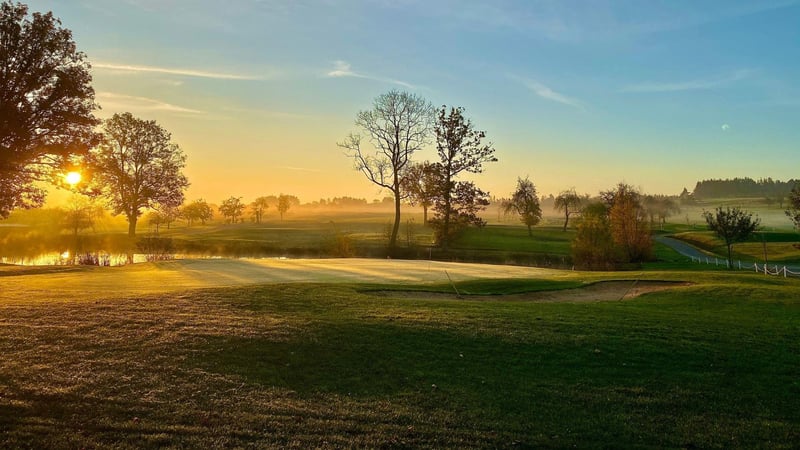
[[392, 353], [191, 354]]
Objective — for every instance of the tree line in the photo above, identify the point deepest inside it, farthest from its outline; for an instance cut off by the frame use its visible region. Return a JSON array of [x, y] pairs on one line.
[[744, 188]]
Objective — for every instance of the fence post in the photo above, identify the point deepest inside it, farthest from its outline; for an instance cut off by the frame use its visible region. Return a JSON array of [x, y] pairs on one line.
[[765, 269], [706, 259], [740, 264], [784, 271]]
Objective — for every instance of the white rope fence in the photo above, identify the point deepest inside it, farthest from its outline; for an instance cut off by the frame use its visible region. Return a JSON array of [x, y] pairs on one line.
[[766, 269]]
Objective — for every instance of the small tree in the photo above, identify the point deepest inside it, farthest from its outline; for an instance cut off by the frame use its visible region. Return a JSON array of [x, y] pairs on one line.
[[593, 246], [569, 202], [525, 203], [794, 206], [628, 221], [732, 226], [460, 150], [137, 167], [46, 104], [258, 207], [398, 125], [420, 183], [197, 211], [232, 208], [285, 203]]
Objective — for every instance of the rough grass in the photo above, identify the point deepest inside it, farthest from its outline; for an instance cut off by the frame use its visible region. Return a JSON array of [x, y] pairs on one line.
[[333, 365]]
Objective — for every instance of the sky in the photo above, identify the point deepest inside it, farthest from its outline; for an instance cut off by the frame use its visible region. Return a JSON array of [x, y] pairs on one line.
[[583, 94]]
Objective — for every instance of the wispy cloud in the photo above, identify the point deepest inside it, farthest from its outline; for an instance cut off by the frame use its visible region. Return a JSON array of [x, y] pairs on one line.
[[173, 71], [547, 93], [690, 85], [122, 102], [301, 169], [342, 69]]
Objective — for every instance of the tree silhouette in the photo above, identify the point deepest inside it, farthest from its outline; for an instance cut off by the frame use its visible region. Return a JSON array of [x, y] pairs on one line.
[[460, 149], [285, 202], [137, 167], [397, 126], [569, 202], [46, 104], [232, 208], [258, 207], [525, 203], [197, 211]]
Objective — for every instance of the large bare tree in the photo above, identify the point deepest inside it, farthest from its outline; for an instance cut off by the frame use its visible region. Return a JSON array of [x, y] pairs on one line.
[[137, 167], [46, 103], [398, 125]]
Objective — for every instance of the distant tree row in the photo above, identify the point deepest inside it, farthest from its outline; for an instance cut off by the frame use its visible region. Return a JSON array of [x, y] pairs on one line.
[[743, 187]]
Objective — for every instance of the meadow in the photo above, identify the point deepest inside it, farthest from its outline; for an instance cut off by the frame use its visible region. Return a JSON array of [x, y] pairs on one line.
[[709, 362], [377, 353]]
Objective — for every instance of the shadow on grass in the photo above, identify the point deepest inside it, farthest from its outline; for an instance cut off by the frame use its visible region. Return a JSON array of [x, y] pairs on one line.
[[604, 388]]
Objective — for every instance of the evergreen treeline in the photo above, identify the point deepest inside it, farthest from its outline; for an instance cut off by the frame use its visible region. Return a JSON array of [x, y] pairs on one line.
[[743, 187]]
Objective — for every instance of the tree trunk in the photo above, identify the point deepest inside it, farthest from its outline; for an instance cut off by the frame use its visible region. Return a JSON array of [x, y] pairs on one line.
[[530, 233], [132, 225], [424, 215], [566, 222], [396, 226], [730, 261]]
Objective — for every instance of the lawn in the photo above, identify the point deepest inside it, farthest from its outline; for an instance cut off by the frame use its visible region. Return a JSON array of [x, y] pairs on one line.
[[781, 247], [342, 364]]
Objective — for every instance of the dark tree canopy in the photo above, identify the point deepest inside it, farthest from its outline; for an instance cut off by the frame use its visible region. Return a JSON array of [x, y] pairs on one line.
[[46, 104], [460, 150], [732, 225], [397, 126], [525, 203], [137, 167]]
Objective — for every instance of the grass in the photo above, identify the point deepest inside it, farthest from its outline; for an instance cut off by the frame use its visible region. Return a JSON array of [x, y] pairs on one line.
[[783, 247], [336, 365]]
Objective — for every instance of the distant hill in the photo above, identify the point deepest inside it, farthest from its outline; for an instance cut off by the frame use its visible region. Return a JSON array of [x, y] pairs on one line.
[[743, 187]]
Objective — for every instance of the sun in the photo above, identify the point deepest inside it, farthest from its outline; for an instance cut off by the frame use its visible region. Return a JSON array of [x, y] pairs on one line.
[[72, 178]]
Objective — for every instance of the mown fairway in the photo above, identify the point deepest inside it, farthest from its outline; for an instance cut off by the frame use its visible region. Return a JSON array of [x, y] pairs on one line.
[[713, 364]]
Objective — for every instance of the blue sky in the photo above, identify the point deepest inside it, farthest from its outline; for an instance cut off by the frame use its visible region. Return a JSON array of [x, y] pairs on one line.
[[576, 94]]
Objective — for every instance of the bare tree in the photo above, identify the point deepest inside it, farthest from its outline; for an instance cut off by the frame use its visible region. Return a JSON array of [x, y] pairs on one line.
[[569, 202], [46, 104], [398, 125], [525, 203], [460, 150], [137, 167]]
